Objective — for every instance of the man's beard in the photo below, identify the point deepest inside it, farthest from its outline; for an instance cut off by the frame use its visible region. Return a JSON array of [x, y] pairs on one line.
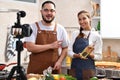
[[48, 21]]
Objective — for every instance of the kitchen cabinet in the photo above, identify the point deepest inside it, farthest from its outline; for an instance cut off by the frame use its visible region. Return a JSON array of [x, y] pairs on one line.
[[110, 22]]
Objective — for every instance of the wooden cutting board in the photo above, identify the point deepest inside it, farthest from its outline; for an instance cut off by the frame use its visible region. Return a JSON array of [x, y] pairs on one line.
[[110, 55], [107, 64]]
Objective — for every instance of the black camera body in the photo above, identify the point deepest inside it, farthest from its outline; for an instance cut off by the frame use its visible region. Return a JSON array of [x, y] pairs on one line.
[[18, 30]]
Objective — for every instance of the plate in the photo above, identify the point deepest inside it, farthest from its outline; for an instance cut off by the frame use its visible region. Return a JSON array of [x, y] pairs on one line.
[[100, 76]]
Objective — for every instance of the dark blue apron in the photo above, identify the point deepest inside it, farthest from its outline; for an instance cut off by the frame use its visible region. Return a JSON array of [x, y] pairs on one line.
[[79, 64]]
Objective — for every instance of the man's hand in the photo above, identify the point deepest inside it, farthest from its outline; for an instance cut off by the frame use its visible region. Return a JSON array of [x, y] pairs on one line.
[[57, 65], [56, 44]]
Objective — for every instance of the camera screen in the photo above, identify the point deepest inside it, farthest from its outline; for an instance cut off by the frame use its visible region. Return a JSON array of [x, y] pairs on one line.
[[16, 31]]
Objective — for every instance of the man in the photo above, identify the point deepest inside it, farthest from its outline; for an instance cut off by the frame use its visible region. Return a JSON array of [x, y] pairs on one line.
[[48, 42]]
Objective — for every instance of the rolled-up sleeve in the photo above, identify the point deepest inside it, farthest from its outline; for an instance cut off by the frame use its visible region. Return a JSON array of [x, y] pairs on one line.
[[98, 49]]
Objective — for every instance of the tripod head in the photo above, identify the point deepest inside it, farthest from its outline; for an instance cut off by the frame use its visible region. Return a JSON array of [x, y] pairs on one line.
[[18, 30]]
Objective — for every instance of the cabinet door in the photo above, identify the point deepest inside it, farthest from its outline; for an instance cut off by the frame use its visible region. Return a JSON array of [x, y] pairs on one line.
[[110, 19]]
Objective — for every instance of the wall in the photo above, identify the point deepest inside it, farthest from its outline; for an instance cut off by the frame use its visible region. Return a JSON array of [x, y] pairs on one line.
[[8, 19], [67, 11]]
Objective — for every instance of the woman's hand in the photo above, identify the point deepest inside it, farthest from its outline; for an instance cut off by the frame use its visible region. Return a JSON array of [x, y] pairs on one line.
[[91, 55], [79, 56]]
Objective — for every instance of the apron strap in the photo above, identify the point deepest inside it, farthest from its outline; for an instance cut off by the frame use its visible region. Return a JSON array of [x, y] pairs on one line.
[[38, 26], [40, 29], [55, 27], [88, 35]]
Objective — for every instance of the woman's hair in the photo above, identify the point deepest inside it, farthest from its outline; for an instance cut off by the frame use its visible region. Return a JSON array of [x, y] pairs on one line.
[[81, 29]]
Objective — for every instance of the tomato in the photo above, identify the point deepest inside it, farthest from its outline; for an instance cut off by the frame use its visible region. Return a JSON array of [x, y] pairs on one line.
[[62, 78]]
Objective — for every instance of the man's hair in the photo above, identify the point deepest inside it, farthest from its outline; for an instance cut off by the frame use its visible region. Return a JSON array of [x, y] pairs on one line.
[[46, 2]]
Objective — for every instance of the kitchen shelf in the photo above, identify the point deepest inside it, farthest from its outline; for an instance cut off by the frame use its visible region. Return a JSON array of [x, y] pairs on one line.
[[96, 17], [95, 21]]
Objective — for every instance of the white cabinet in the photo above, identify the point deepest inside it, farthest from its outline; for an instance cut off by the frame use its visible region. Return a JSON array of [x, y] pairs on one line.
[[110, 19]]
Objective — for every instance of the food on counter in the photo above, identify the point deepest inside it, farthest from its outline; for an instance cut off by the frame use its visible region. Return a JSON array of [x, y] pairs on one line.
[[62, 78], [33, 78], [51, 77], [68, 77], [56, 77], [94, 78], [107, 64]]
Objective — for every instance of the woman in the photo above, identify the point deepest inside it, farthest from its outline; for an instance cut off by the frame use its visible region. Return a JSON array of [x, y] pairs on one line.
[[85, 67]]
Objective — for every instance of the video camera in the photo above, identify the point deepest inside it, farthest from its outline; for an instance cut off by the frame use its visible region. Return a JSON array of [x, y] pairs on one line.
[[18, 30]]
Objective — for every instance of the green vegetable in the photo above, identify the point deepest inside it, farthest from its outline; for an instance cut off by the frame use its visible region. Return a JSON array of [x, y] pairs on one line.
[[49, 77], [68, 77], [94, 78], [98, 26]]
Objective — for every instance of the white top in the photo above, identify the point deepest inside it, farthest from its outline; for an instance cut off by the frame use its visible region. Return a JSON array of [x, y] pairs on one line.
[[61, 33], [94, 38]]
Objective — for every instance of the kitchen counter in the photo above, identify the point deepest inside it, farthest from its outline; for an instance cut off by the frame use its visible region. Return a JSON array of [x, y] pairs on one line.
[[108, 72], [3, 74]]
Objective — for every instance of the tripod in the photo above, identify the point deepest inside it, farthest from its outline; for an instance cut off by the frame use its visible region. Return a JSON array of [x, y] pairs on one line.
[[20, 75]]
